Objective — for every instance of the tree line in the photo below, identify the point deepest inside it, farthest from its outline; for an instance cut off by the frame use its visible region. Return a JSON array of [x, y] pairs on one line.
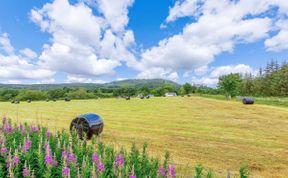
[[270, 81]]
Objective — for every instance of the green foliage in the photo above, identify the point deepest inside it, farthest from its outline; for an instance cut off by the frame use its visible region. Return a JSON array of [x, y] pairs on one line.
[[43, 144], [198, 171], [8, 94], [187, 88], [31, 94], [210, 173], [230, 84], [80, 93], [244, 170]]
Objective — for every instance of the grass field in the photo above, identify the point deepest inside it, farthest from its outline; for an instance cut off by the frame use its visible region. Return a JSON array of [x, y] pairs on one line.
[[219, 134]]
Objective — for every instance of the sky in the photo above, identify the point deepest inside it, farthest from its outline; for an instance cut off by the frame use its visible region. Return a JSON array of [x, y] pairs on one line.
[[97, 41]]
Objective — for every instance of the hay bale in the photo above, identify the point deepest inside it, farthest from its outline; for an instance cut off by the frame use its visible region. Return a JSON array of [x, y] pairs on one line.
[[29, 101], [247, 100], [188, 95], [127, 97], [67, 99], [141, 97], [17, 102], [87, 125], [147, 97]]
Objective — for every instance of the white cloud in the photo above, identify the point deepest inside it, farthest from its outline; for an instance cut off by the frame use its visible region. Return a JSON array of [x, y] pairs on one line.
[[83, 43], [28, 53], [5, 43], [279, 42], [158, 73], [15, 67], [211, 79], [224, 70], [217, 27], [115, 12], [82, 79], [183, 9]]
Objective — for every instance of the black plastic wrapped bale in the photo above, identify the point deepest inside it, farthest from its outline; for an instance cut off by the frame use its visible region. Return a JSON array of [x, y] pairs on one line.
[[67, 99], [248, 100], [142, 97], [87, 124], [127, 97], [29, 101]]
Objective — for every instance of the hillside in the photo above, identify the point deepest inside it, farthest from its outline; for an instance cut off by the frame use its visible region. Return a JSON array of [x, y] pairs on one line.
[[131, 83]]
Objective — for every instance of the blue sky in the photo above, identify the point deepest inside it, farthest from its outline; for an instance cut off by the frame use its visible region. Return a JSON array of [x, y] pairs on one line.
[[193, 41]]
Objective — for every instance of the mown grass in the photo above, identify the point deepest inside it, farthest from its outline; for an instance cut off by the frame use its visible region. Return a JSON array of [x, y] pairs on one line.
[[219, 134], [272, 101]]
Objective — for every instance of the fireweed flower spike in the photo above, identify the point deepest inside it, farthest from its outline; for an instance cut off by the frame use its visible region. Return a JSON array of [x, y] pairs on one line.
[[3, 148], [8, 128], [64, 155], [171, 171], [65, 171], [25, 172], [27, 145], [21, 128], [16, 158], [71, 158], [95, 158], [119, 160], [48, 134], [33, 129], [101, 167], [48, 155], [161, 171]]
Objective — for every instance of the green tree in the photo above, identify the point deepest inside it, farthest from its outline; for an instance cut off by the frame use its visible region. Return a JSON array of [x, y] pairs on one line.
[[230, 84], [187, 88], [80, 93], [31, 94], [56, 93]]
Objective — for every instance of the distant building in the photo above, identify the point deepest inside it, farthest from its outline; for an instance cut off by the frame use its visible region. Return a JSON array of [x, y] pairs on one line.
[[170, 94], [150, 95]]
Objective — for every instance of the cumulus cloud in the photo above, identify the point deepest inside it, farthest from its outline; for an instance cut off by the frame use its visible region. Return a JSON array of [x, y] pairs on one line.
[[158, 73], [211, 79], [217, 27], [5, 44], [82, 79], [183, 9], [14, 66], [115, 12], [279, 42], [28, 53], [83, 43]]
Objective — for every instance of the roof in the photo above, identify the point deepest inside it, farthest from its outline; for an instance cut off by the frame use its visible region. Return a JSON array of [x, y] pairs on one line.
[[170, 93]]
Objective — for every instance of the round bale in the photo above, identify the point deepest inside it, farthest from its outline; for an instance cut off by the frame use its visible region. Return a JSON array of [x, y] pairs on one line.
[[247, 100]]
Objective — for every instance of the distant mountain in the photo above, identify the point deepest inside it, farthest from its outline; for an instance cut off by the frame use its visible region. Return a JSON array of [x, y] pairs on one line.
[[131, 83], [138, 83]]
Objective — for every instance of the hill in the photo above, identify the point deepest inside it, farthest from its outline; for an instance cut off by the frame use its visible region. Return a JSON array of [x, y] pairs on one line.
[[131, 83]]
